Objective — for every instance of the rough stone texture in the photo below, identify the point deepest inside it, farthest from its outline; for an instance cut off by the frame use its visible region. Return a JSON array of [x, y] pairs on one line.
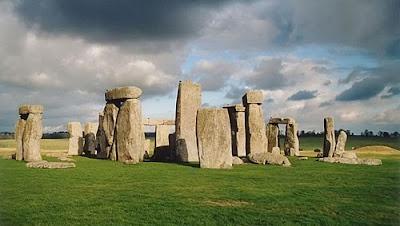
[[238, 128], [31, 137], [272, 136], [109, 122], [162, 148], [129, 132], [276, 150], [253, 97], [65, 159], [172, 145], [269, 158], [129, 92], [291, 140], [90, 127], [341, 144], [155, 122], [27, 109], [302, 158], [187, 104], [352, 161], [256, 138], [19, 133], [50, 165], [90, 144], [101, 140], [214, 138], [329, 137], [147, 143], [237, 161], [75, 141], [349, 154]]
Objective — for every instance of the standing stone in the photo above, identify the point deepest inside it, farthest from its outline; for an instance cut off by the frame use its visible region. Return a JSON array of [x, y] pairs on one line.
[[19, 133], [237, 121], [31, 137], [101, 140], [272, 136], [162, 148], [256, 138], [75, 141], [90, 127], [292, 140], [214, 138], [341, 144], [90, 144], [129, 134], [187, 104], [329, 137], [109, 123]]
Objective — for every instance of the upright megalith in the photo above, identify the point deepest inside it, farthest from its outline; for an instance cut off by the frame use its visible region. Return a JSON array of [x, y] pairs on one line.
[[187, 104], [101, 140], [329, 137], [214, 138], [256, 138], [28, 132], [272, 136], [89, 134], [341, 144], [75, 141], [291, 139], [122, 125], [237, 121]]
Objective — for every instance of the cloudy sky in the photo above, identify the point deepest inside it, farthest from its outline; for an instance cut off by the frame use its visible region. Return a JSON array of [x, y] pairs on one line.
[[311, 58]]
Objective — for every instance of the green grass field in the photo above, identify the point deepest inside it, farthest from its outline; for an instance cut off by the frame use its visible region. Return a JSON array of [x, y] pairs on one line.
[[101, 192]]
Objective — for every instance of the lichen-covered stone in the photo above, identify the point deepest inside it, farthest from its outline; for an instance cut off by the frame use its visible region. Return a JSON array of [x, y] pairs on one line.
[[256, 138], [50, 165], [272, 136], [238, 128], [291, 140], [31, 137], [341, 144], [27, 109], [129, 134], [214, 138], [329, 137], [19, 133], [128, 92], [187, 104], [75, 141], [269, 158], [253, 97]]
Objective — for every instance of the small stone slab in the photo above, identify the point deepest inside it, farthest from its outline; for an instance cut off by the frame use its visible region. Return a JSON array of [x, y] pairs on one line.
[[352, 161], [269, 158], [27, 109], [253, 97], [128, 92], [50, 165]]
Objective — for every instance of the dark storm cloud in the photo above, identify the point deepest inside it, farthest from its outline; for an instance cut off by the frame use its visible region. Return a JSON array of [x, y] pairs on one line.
[[118, 20], [267, 75], [369, 83], [303, 95]]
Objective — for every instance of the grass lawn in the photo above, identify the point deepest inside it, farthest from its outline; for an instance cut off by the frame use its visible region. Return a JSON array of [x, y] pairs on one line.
[[101, 192]]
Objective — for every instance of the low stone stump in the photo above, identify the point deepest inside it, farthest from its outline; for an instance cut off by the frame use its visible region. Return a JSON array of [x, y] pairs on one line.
[[269, 158], [237, 161], [352, 161], [214, 138], [50, 165]]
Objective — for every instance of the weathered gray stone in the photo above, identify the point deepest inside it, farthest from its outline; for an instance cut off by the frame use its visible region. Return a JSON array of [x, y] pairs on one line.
[[370, 162], [352, 161], [276, 150], [50, 165], [172, 145], [272, 136], [237, 161], [90, 127], [302, 158], [147, 143], [109, 122], [341, 144], [349, 155], [27, 109], [101, 140], [256, 138], [214, 138], [155, 122], [90, 144], [238, 128], [19, 133], [291, 139], [75, 141], [129, 92], [329, 137], [253, 97], [269, 158], [187, 104], [129, 134], [162, 148], [31, 137]]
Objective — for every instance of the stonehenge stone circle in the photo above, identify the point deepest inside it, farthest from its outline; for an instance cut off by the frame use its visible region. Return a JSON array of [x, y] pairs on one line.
[[28, 132], [121, 93], [341, 144], [329, 137], [214, 138], [256, 138], [75, 141], [187, 103], [237, 120]]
